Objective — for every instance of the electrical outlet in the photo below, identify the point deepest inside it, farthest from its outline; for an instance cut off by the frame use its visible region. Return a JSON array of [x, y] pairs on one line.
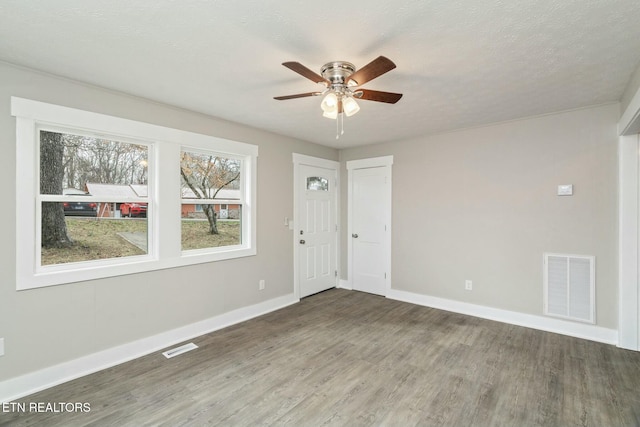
[[261, 285], [1, 346], [468, 285]]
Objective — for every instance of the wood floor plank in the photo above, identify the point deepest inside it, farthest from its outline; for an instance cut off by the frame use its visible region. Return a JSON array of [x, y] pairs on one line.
[[343, 358]]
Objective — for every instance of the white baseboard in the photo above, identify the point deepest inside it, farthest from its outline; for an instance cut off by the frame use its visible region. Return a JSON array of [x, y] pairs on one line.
[[344, 284], [558, 326], [24, 385]]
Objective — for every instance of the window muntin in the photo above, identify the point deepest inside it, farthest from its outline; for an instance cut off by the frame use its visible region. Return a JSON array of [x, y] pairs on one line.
[[163, 201], [79, 174]]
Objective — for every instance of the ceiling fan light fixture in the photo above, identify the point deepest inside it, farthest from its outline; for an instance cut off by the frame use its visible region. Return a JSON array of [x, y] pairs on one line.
[[350, 106], [339, 79], [331, 114], [330, 103]]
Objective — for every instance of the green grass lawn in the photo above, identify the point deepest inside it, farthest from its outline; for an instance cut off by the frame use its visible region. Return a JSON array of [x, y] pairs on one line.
[[102, 238], [195, 234]]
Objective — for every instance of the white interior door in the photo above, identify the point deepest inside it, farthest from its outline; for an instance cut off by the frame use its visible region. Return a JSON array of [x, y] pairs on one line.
[[316, 235], [369, 228]]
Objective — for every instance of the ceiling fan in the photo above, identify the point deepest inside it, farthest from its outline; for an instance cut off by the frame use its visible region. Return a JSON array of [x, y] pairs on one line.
[[341, 83]]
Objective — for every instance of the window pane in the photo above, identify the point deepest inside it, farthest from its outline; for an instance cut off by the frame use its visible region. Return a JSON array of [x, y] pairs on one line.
[[207, 176], [317, 183], [82, 166], [72, 236], [197, 233], [76, 164]]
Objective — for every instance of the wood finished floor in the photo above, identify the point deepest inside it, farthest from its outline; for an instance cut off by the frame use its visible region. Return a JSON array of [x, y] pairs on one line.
[[344, 358]]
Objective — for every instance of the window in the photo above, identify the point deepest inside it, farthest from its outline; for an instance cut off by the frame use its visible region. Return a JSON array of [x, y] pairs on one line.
[[100, 196], [317, 183], [86, 183], [213, 180]]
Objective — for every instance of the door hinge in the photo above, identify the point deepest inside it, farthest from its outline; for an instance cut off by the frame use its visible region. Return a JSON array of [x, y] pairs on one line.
[[385, 275], [336, 273]]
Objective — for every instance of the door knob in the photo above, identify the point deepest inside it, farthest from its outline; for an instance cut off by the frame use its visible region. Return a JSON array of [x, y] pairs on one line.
[[355, 236], [302, 242]]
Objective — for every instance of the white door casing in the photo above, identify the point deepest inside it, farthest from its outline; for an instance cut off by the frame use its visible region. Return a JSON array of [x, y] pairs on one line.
[[629, 242], [369, 230], [315, 225], [629, 226]]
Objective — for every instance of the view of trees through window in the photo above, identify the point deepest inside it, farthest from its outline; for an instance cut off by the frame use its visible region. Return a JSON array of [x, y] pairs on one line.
[[83, 171], [88, 159], [209, 178], [89, 186], [102, 196]]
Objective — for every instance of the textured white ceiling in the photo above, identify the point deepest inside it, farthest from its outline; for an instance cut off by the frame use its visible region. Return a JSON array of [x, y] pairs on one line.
[[460, 63]]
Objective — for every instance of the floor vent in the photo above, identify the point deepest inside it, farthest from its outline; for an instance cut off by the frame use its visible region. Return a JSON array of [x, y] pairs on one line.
[[179, 350], [569, 287]]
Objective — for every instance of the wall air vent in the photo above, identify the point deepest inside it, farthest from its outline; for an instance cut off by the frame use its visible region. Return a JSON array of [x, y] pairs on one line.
[[179, 350], [569, 287]]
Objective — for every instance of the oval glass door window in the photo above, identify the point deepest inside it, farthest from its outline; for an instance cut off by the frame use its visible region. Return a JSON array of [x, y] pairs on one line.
[[317, 183]]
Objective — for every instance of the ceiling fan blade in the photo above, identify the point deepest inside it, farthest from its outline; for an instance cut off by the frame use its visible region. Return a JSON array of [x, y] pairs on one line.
[[298, 95], [305, 72], [376, 95], [373, 69]]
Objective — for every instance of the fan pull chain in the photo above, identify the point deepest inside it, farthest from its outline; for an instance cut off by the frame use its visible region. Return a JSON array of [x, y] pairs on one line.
[[339, 125]]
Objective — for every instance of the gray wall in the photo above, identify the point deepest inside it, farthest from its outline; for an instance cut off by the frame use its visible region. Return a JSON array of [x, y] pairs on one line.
[[46, 326], [481, 204], [476, 204]]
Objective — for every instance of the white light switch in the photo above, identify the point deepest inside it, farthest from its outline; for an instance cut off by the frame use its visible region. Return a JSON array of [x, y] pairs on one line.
[[565, 190], [1, 346]]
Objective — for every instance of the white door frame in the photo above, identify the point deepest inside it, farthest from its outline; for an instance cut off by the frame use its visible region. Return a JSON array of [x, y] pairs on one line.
[[375, 162], [302, 159], [628, 241], [629, 226]]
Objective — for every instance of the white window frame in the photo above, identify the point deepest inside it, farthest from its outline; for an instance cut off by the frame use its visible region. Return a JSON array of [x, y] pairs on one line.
[[164, 218], [244, 218], [42, 198]]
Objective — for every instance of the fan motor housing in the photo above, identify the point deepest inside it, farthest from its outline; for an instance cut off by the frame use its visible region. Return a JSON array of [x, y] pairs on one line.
[[337, 72]]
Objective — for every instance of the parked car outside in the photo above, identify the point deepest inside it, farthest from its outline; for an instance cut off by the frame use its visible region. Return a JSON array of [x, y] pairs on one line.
[[80, 208], [138, 210]]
